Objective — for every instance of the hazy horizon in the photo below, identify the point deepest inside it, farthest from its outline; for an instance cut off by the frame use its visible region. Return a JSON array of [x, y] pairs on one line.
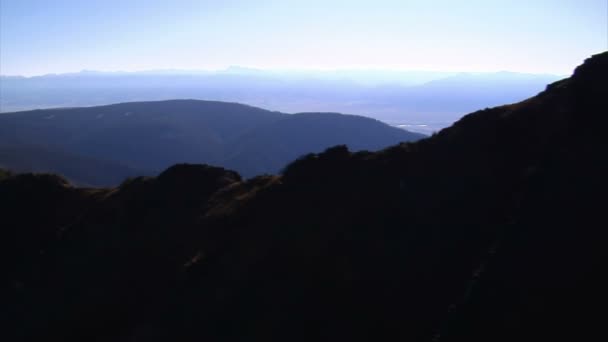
[[396, 97], [362, 76], [303, 70], [65, 36], [402, 62]]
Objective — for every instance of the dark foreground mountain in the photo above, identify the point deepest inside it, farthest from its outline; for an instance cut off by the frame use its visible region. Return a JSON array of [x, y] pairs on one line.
[[151, 136], [491, 230]]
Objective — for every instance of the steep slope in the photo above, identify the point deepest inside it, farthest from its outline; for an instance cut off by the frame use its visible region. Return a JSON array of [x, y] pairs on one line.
[[151, 136], [96, 260], [491, 230]]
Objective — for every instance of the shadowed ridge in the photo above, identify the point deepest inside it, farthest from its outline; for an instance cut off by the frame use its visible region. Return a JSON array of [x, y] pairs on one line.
[[36, 210], [42, 180], [592, 71], [455, 237], [546, 278], [130, 242], [491, 230], [199, 177], [4, 174]]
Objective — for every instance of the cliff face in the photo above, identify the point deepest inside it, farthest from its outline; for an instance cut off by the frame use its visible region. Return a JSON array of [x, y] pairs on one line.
[[491, 230]]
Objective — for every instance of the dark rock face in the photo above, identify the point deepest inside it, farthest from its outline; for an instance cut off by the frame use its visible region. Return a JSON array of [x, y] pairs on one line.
[[491, 230]]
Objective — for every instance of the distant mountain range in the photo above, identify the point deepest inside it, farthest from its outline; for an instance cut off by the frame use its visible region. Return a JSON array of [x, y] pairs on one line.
[[391, 96], [104, 145], [493, 229]]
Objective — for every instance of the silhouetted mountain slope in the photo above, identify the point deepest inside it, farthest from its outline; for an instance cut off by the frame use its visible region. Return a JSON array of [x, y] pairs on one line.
[[491, 230], [150, 136]]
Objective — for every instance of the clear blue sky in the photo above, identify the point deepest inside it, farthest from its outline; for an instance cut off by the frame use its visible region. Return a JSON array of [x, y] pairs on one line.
[[544, 36]]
